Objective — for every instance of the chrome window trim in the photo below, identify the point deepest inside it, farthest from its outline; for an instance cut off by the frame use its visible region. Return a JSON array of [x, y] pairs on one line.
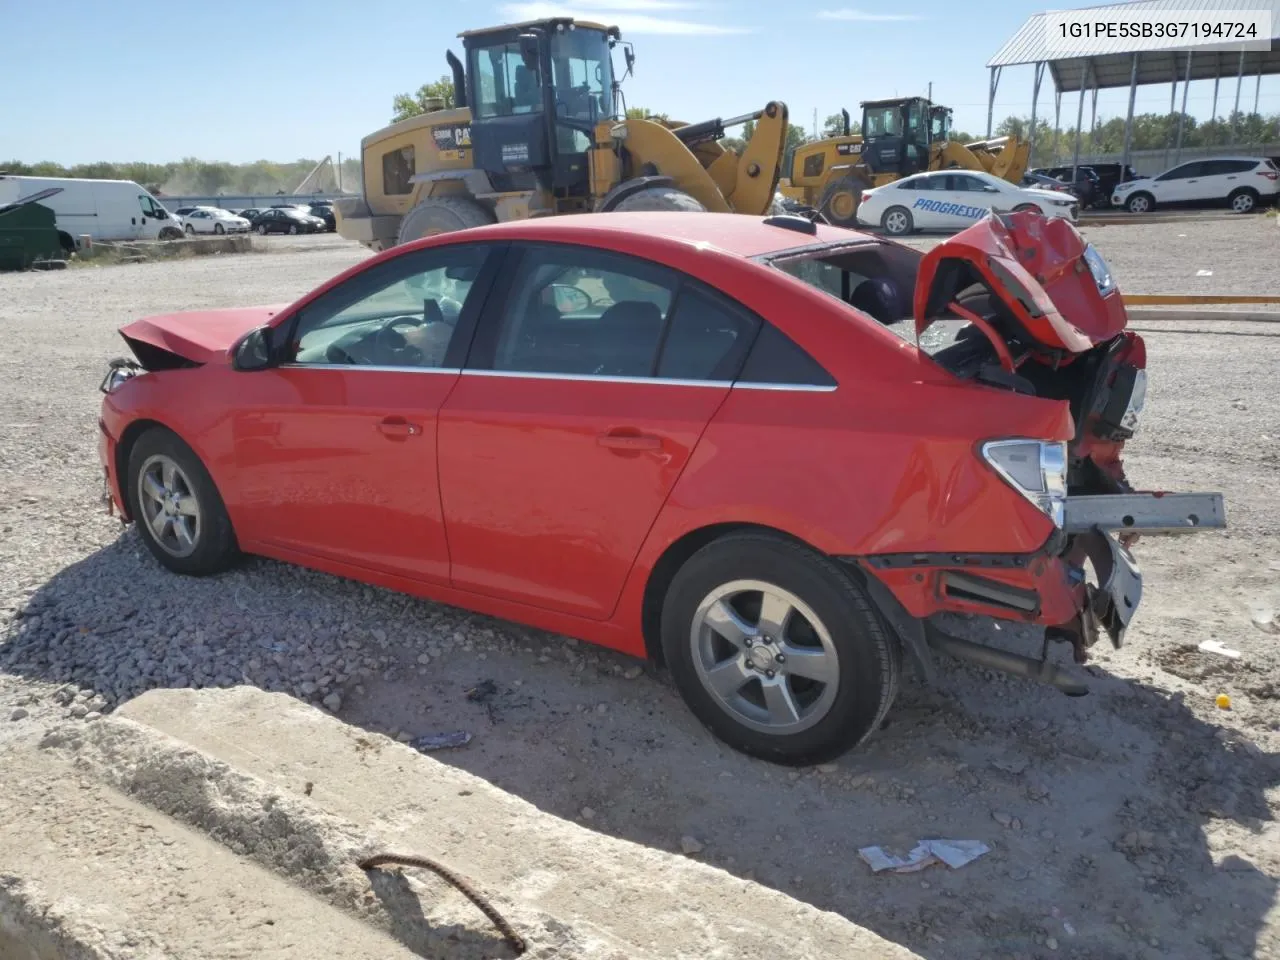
[[366, 366], [654, 381]]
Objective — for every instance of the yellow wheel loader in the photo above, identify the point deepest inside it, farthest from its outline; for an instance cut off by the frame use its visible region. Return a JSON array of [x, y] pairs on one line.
[[537, 130], [899, 137]]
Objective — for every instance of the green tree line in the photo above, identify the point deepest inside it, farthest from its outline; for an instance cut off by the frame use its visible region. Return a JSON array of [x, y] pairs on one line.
[[191, 176]]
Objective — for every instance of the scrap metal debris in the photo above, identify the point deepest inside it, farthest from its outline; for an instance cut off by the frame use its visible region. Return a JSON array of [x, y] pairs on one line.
[[441, 741], [954, 853]]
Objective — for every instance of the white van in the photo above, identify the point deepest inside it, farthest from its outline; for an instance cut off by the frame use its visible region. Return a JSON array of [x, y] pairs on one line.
[[104, 209]]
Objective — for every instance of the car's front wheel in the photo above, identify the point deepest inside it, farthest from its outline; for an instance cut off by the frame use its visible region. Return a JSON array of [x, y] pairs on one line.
[[176, 506], [190, 230], [218, 228], [1140, 203], [897, 221], [777, 650]]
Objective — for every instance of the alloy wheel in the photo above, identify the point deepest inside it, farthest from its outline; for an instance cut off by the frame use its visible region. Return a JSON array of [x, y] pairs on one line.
[[169, 505], [765, 657]]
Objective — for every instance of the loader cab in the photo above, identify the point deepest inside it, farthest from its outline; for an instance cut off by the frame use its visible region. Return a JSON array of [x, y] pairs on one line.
[[536, 91], [896, 135]]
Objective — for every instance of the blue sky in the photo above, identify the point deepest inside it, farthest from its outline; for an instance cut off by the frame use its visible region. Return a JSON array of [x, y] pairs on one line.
[[242, 80]]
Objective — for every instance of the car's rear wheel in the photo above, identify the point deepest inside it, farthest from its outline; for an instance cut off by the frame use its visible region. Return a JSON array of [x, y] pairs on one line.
[[897, 221], [1140, 203], [777, 650], [1243, 201], [176, 506]]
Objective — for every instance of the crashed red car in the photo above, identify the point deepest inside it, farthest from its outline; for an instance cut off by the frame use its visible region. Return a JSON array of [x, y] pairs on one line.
[[765, 452]]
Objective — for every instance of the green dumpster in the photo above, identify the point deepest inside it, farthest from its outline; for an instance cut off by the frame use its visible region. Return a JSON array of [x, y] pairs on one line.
[[29, 233]]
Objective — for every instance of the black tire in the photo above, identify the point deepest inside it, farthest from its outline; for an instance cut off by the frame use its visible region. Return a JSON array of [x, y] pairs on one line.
[[868, 661], [840, 199], [190, 230], [261, 229], [1024, 207], [898, 222], [293, 228], [1140, 202], [218, 228], [1243, 200], [214, 542], [436, 215], [660, 198]]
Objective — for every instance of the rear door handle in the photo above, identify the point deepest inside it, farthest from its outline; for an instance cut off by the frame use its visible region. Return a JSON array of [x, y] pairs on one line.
[[398, 427], [619, 440]]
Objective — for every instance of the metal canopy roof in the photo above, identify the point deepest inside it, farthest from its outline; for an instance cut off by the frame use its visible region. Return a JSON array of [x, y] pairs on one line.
[[1108, 63]]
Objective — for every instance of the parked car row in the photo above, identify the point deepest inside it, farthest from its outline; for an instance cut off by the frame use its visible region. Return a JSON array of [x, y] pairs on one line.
[[281, 218], [1242, 183]]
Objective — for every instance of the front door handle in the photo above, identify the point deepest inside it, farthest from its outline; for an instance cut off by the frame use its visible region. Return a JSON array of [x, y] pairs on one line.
[[398, 427], [628, 440]]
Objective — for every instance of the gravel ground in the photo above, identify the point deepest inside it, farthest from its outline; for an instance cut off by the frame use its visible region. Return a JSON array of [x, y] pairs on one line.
[[1138, 822]]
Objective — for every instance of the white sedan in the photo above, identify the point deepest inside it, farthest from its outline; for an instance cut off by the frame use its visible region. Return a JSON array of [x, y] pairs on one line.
[[954, 199], [213, 220]]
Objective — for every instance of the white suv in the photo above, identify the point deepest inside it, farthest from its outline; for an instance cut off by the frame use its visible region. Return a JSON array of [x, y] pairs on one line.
[[1243, 182]]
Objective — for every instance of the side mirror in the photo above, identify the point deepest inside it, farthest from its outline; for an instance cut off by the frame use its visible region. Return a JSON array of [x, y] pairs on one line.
[[630, 56], [529, 50], [569, 299], [253, 352]]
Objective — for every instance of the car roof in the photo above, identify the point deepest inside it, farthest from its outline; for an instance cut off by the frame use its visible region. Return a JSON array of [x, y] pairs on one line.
[[736, 234]]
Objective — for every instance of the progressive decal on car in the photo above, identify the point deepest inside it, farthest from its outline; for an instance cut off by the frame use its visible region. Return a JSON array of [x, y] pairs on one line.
[[952, 209]]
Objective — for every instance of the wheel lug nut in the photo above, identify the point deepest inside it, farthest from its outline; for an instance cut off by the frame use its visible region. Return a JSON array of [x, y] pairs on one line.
[[780, 658], [769, 674], [749, 642]]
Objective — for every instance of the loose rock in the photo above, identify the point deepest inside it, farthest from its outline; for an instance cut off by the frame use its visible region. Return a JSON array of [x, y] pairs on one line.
[[690, 846]]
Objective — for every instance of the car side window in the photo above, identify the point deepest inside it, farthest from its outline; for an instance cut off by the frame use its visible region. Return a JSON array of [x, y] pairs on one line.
[[777, 360], [1183, 172], [403, 313], [578, 312], [913, 183], [707, 338]]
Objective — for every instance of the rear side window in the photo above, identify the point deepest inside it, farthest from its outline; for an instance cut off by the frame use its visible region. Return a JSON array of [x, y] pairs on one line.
[[707, 338], [397, 168], [776, 359]]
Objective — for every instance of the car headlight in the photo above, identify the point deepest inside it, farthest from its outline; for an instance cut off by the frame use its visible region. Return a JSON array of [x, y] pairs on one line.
[[1100, 269], [1037, 469], [1062, 203], [119, 372], [1122, 187]]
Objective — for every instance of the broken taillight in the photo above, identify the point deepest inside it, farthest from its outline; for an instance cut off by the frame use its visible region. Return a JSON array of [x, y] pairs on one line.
[[866, 197]]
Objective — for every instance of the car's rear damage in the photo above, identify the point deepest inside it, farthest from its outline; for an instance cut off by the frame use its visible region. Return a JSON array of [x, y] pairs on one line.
[[1045, 319]]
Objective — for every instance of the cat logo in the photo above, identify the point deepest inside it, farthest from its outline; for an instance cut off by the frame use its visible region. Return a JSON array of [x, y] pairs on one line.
[[452, 137]]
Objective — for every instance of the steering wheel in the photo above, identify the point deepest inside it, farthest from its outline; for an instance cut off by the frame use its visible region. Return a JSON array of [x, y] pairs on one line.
[[390, 341]]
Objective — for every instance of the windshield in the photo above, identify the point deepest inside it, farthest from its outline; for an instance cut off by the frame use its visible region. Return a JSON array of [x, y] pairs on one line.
[[939, 124], [583, 75]]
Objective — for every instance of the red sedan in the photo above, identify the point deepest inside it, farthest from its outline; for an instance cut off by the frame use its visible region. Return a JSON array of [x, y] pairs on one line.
[[705, 439]]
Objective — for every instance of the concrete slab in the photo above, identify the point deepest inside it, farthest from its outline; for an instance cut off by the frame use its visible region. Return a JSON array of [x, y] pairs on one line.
[[89, 874], [337, 793]]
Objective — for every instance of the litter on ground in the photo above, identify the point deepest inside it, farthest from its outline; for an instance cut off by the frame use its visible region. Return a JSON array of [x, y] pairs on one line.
[[954, 853]]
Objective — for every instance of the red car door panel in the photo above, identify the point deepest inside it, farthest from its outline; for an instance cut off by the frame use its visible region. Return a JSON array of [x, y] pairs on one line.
[[335, 448], [358, 480], [550, 485]]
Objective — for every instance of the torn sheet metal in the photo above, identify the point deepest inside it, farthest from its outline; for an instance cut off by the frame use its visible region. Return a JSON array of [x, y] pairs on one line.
[[954, 853]]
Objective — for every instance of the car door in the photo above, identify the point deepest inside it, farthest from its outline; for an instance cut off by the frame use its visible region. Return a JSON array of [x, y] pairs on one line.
[[929, 208], [1221, 177], [335, 446], [1179, 184], [973, 198], [591, 380]]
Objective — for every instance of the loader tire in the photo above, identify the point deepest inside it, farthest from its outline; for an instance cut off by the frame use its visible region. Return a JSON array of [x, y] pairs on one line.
[[660, 198], [436, 215], [840, 199]]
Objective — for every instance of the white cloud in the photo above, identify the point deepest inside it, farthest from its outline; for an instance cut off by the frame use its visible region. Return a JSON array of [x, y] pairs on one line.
[[861, 16], [629, 16]]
